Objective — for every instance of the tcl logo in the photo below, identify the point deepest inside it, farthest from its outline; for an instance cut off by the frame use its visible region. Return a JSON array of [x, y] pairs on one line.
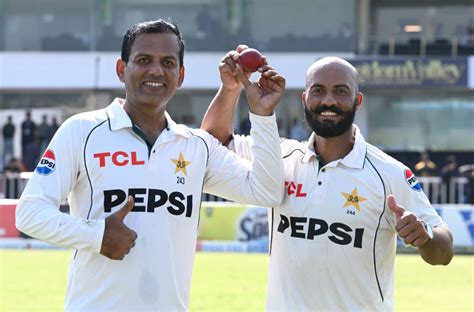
[[119, 159], [292, 188]]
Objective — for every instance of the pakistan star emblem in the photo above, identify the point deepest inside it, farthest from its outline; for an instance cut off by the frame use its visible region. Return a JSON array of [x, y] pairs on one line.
[[353, 199], [181, 164]]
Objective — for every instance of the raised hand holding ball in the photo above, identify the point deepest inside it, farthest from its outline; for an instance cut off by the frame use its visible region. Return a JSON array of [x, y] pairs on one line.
[[250, 60]]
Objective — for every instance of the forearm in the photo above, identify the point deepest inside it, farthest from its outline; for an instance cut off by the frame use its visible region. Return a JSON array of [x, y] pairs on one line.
[[218, 119], [439, 250], [42, 220], [257, 182]]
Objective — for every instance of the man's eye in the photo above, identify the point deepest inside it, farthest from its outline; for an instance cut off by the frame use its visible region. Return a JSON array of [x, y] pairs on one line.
[[342, 91], [168, 63], [142, 60]]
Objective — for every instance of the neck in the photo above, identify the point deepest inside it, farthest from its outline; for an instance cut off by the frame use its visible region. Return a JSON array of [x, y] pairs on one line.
[[150, 119], [330, 149]]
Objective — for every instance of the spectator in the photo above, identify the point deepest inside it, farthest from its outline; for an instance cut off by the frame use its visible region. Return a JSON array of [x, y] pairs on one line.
[[208, 26], [28, 131], [53, 128], [425, 167], [470, 35], [12, 182], [282, 128], [297, 131], [43, 133], [467, 171], [448, 172], [244, 126], [32, 152], [8, 134], [14, 165]]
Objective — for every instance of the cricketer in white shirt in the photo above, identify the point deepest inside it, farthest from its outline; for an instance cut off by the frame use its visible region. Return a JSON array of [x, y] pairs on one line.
[[97, 160], [333, 238]]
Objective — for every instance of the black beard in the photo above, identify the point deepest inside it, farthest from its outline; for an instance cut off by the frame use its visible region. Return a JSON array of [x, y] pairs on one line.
[[330, 129]]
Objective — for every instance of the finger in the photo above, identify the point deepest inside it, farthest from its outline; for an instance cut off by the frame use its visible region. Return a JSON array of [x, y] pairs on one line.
[[279, 80], [241, 47], [410, 238], [264, 63], [232, 56], [274, 80], [227, 67], [228, 63], [265, 68], [408, 223], [420, 241], [404, 231], [122, 213], [226, 56], [241, 76], [276, 83], [392, 205], [135, 235], [269, 72]]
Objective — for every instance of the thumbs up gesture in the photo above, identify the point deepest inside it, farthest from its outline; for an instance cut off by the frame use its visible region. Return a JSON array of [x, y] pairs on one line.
[[408, 226], [118, 238]]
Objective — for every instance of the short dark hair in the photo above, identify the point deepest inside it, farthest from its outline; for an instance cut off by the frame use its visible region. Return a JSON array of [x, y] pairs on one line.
[[158, 26]]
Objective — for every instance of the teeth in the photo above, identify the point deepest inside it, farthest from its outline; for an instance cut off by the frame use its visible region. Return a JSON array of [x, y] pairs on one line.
[[328, 113], [154, 84]]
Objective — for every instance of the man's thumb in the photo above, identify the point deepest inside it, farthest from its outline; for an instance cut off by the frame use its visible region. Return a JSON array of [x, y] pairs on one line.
[[241, 76], [392, 204], [122, 213]]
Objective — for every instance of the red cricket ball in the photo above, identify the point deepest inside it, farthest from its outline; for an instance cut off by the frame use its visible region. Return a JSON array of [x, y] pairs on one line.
[[250, 60]]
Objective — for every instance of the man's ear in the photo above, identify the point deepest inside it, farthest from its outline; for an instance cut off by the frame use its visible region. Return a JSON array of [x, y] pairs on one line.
[[120, 69], [303, 98], [181, 76], [359, 97]]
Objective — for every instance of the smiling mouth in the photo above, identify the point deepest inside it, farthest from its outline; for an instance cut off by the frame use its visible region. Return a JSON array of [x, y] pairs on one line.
[[154, 84], [328, 113]]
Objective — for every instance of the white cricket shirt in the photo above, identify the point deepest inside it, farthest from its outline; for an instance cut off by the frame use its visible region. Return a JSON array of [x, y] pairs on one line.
[[333, 238], [96, 160]]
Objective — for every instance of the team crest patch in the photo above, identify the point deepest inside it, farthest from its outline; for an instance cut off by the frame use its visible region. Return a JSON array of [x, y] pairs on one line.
[[47, 164], [353, 199], [181, 164], [412, 181]]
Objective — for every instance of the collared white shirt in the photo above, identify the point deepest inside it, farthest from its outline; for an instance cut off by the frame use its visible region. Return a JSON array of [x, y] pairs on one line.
[[333, 238], [97, 160]]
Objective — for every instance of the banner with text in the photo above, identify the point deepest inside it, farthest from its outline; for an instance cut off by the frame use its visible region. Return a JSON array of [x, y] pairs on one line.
[[412, 72]]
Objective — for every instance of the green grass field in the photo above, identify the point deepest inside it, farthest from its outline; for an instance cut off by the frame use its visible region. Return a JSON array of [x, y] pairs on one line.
[[35, 280]]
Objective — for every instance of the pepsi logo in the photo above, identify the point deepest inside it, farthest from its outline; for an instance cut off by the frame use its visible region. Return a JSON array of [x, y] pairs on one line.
[[412, 181], [47, 164]]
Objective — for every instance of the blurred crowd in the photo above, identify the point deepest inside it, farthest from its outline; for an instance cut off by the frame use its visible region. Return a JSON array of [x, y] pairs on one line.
[[34, 140], [36, 137], [448, 172], [296, 129]]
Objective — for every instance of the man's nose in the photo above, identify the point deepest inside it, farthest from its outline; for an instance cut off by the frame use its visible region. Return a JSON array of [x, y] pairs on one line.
[[155, 69], [328, 99]]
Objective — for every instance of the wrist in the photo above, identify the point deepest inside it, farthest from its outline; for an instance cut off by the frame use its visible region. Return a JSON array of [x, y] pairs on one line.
[[261, 112], [428, 229], [231, 89]]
